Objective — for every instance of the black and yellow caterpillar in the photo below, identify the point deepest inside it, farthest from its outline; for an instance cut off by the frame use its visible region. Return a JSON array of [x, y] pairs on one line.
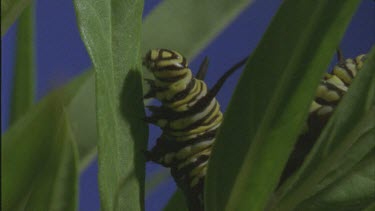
[[329, 93], [190, 116]]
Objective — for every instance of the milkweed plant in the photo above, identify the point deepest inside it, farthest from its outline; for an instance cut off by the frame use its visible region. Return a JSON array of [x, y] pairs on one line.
[[101, 112]]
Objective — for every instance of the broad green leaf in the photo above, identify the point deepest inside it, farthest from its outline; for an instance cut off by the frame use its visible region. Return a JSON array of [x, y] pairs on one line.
[[28, 143], [111, 32], [23, 74], [10, 10], [272, 100], [348, 137], [355, 191], [183, 25], [39, 159], [177, 202]]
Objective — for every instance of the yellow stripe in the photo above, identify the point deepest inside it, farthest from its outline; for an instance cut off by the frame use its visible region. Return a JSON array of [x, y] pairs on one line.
[[154, 54], [342, 74], [183, 102], [314, 106], [173, 87], [199, 129], [166, 54], [187, 121]]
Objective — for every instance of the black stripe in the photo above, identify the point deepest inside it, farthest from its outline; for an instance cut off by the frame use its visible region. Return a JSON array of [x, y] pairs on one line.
[[333, 87], [324, 102], [201, 104], [183, 62], [184, 93], [153, 89], [211, 120], [172, 79], [174, 146], [345, 67], [178, 173], [173, 55], [330, 87], [171, 52], [169, 67], [166, 145], [159, 55], [197, 94], [195, 124]]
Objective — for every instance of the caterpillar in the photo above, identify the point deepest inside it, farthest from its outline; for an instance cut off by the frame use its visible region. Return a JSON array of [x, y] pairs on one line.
[[328, 94], [189, 118]]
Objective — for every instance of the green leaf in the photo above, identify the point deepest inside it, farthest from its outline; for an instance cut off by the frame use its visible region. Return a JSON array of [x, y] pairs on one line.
[[347, 139], [57, 181], [111, 32], [272, 100], [82, 115], [177, 202], [26, 147], [182, 25], [42, 165], [10, 10], [23, 74], [355, 191], [371, 207]]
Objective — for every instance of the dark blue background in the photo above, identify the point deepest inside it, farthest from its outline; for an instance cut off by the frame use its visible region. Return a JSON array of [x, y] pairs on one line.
[[61, 55]]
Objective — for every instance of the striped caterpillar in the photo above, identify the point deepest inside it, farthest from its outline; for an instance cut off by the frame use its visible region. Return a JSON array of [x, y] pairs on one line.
[[190, 117]]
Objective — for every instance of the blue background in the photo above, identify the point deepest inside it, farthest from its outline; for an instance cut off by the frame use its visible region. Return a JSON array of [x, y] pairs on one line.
[[61, 55]]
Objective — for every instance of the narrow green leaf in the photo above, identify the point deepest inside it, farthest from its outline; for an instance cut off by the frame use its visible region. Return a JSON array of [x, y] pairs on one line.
[[177, 202], [111, 32], [26, 146], [182, 25], [23, 74], [347, 138], [371, 207], [57, 180], [29, 162], [270, 104], [353, 192], [82, 115], [10, 10]]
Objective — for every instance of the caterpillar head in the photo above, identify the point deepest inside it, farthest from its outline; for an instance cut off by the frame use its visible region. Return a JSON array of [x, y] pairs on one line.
[[163, 59]]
